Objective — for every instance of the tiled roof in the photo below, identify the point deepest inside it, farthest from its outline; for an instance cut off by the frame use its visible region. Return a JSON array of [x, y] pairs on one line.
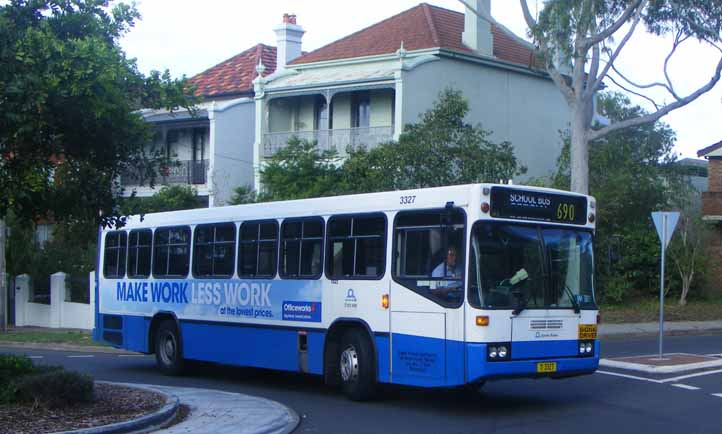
[[236, 74], [423, 26], [704, 151]]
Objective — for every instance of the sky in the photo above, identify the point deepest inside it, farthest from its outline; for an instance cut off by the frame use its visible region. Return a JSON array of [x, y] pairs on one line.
[[189, 36]]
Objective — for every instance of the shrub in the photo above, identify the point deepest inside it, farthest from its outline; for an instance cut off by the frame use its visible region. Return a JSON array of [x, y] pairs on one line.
[[56, 388], [12, 368]]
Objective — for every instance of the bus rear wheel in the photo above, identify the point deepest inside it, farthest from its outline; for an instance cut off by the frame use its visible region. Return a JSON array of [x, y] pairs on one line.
[[356, 366], [168, 352]]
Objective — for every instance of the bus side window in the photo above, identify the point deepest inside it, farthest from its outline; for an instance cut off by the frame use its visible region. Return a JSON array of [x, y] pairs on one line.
[[301, 248], [171, 252], [214, 249], [429, 254], [139, 249], [116, 244], [356, 247], [257, 249]]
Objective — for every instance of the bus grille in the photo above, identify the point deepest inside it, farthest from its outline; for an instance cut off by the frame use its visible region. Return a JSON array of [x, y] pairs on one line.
[[546, 324]]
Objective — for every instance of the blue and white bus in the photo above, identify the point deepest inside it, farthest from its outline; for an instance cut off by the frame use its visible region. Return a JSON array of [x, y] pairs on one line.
[[433, 287]]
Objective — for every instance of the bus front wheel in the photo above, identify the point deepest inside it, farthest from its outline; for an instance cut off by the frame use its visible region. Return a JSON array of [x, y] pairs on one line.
[[168, 354], [356, 366]]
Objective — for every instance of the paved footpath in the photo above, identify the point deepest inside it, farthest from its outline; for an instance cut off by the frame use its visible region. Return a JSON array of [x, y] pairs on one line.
[[213, 411]]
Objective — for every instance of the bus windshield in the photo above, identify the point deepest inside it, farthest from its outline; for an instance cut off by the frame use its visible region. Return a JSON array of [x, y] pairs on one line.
[[530, 267]]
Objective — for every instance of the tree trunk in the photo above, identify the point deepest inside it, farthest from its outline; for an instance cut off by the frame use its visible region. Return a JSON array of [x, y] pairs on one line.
[[579, 151]]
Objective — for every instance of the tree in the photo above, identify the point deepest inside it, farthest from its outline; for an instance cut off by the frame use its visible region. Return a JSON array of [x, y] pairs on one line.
[[687, 250], [441, 149], [168, 198], [633, 172], [579, 42], [69, 123]]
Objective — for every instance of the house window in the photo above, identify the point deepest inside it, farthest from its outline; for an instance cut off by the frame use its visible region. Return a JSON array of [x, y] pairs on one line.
[[361, 110]]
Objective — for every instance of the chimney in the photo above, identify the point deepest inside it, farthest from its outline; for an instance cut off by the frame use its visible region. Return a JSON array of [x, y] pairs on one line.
[[477, 31], [288, 35]]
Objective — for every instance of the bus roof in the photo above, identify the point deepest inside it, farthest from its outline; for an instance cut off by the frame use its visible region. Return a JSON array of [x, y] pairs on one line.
[[433, 197]]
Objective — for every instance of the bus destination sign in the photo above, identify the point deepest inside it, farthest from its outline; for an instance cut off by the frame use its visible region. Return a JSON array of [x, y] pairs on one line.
[[514, 203]]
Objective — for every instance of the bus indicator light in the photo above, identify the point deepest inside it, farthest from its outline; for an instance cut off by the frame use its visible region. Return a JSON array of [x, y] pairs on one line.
[[482, 321], [485, 207], [591, 217], [385, 301]]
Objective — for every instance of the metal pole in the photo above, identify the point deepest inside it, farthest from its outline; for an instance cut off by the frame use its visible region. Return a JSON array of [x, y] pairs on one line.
[[661, 286], [3, 280]]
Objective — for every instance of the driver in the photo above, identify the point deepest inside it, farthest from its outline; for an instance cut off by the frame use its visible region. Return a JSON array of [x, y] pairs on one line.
[[450, 268]]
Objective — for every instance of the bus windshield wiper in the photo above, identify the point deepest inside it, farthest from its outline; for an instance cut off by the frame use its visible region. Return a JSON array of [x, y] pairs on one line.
[[573, 299], [521, 303]]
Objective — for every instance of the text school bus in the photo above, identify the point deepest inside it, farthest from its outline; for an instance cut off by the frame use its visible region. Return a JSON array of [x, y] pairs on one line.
[[432, 287]]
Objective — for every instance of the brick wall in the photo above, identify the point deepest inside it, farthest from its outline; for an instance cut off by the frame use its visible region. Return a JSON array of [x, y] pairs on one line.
[[715, 174]]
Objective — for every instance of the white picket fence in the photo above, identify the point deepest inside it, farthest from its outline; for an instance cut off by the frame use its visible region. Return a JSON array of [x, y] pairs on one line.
[[59, 313]]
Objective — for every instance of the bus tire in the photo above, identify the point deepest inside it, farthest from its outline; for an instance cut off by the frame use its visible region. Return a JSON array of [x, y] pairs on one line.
[[356, 366], [168, 350]]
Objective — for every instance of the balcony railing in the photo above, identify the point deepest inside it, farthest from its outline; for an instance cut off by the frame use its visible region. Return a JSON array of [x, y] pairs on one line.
[[336, 139], [178, 172]]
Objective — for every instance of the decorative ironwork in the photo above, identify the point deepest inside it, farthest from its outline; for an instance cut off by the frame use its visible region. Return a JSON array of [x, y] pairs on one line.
[[334, 139], [193, 172]]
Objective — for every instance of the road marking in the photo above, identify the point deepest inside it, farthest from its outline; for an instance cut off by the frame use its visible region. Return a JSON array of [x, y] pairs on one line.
[[633, 377], [713, 355], [718, 395], [131, 355], [36, 357], [684, 386], [684, 377], [86, 356]]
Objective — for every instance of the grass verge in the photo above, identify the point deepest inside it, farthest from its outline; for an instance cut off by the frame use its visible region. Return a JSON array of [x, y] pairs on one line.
[[646, 310], [68, 337]]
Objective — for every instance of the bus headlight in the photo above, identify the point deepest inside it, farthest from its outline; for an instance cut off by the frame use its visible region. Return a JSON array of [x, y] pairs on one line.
[[589, 347], [500, 351], [586, 348]]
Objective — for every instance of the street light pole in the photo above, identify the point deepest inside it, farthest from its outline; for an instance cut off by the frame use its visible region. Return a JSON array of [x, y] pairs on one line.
[[3, 280]]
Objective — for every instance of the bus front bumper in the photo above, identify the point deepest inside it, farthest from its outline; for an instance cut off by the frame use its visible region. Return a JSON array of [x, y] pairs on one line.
[[480, 368]]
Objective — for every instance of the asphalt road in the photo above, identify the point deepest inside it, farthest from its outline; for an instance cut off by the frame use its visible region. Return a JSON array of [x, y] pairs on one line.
[[604, 403]]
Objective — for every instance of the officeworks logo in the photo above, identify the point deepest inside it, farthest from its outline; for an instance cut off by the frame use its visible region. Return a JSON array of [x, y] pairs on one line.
[[302, 311]]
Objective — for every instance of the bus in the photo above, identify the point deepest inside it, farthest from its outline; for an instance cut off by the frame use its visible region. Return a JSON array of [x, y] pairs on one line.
[[434, 287]]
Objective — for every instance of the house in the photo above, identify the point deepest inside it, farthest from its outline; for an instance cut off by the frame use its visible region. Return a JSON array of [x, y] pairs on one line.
[[712, 201], [359, 90], [212, 149], [362, 89]]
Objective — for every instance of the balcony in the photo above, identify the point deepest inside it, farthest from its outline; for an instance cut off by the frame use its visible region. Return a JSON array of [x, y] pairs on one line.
[[179, 172], [335, 139]]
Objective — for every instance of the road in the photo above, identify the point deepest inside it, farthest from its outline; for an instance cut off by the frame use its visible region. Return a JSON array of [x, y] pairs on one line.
[[604, 403]]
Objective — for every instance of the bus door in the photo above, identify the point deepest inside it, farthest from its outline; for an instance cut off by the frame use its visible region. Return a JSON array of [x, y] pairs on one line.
[[426, 295]]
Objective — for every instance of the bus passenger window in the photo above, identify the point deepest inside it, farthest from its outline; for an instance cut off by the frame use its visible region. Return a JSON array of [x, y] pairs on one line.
[[171, 252], [214, 250], [139, 245], [429, 254], [301, 248], [114, 255], [356, 247], [257, 246]]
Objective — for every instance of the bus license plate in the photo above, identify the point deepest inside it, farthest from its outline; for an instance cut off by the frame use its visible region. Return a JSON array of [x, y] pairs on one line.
[[543, 367]]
